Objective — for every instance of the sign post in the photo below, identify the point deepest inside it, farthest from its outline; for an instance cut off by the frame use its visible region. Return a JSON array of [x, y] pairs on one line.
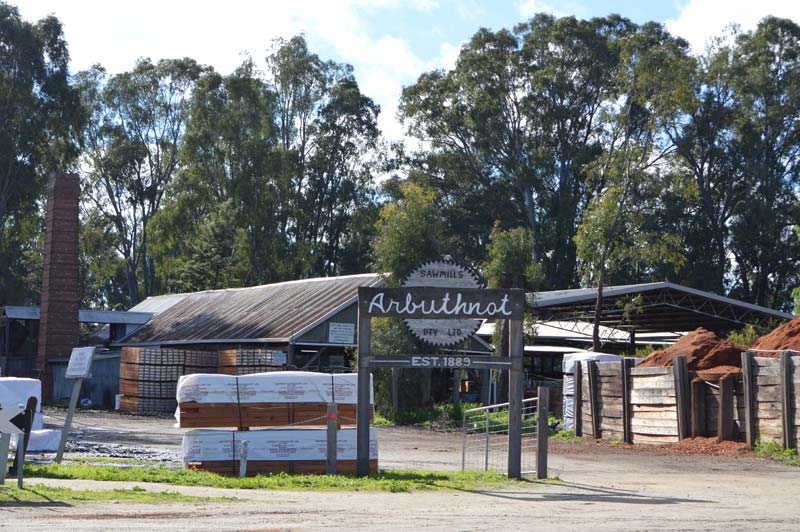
[[10, 423], [80, 363], [426, 304]]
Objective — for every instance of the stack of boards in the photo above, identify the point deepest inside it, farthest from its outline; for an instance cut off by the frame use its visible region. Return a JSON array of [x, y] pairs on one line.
[[149, 376], [295, 401]]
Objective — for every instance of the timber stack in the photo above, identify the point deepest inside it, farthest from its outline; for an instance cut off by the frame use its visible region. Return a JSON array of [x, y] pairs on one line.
[[282, 416]]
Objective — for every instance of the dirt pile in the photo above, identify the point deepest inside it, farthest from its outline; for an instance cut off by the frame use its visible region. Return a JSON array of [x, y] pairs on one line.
[[787, 336], [704, 352]]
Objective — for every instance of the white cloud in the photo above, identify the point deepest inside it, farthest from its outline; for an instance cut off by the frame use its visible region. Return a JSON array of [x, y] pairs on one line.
[[700, 20], [528, 8], [217, 34]]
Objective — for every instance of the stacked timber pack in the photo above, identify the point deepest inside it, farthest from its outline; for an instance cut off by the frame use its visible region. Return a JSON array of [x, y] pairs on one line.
[[149, 376], [289, 407], [244, 361]]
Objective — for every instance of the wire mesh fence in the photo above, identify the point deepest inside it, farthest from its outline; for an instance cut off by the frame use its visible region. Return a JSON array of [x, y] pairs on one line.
[[484, 438]]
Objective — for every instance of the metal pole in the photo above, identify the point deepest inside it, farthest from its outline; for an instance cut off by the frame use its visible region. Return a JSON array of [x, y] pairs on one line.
[[362, 421], [486, 446], [73, 403], [5, 442], [542, 430], [243, 459], [333, 419]]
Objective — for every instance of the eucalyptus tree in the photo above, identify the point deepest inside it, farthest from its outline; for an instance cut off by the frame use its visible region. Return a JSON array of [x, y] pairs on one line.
[[40, 116], [327, 150], [226, 198], [766, 68], [619, 229], [132, 142], [513, 126]]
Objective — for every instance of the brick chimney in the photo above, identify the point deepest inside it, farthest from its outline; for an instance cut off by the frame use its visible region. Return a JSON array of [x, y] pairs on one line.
[[59, 330]]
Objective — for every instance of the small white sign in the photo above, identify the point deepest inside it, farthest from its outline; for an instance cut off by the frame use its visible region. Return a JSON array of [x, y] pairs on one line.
[[341, 333], [279, 358], [80, 362]]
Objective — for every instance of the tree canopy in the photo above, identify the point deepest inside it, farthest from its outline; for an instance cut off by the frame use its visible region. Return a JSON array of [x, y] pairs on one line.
[[558, 153]]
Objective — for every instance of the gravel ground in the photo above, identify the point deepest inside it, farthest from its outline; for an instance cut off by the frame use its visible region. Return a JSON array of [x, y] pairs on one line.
[[601, 487]]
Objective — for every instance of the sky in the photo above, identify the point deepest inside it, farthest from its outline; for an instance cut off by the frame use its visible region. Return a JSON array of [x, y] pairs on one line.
[[388, 42]]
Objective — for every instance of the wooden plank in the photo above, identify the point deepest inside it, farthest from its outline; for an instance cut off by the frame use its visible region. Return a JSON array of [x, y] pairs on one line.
[[768, 380], [649, 439], [656, 430], [765, 394], [699, 407], [682, 396], [764, 362], [656, 401], [725, 414], [608, 369], [667, 395], [639, 424], [639, 372], [768, 411], [767, 371]]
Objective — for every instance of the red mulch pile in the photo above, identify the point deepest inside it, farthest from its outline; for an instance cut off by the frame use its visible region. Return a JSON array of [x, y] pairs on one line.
[[787, 336], [707, 446], [704, 352]]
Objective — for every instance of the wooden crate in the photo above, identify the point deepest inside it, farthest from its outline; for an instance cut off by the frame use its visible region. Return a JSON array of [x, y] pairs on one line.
[[253, 415]]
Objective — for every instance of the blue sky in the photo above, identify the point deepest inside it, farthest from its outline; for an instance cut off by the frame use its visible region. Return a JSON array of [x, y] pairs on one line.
[[389, 42]]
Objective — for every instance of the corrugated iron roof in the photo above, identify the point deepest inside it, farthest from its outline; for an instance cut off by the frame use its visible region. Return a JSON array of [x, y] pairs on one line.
[[273, 312]]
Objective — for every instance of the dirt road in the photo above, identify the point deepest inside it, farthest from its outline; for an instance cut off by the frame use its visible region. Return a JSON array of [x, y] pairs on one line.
[[601, 489]]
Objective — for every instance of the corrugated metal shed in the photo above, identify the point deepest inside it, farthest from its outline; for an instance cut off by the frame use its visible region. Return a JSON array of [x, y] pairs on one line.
[[276, 312]]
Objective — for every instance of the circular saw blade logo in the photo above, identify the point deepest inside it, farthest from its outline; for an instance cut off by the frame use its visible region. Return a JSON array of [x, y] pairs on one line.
[[443, 274]]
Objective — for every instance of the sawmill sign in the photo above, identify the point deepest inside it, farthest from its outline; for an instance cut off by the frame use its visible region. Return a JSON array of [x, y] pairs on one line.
[[442, 304]]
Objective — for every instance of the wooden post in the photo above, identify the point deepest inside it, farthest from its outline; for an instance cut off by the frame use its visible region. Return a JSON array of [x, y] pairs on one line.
[[515, 393], [698, 407], [725, 420], [749, 399], [362, 417], [577, 399], [787, 400], [681, 375], [332, 420], [542, 430], [594, 408], [625, 371], [395, 393]]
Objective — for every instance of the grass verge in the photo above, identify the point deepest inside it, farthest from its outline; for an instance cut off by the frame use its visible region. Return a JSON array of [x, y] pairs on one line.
[[775, 451], [44, 495], [394, 481]]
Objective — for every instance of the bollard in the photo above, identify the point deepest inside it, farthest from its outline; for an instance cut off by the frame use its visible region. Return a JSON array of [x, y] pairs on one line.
[[243, 459], [332, 417]]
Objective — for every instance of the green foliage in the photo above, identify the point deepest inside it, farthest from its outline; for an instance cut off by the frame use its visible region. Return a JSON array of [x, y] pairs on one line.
[[775, 451], [387, 480], [745, 337], [510, 259], [40, 117], [644, 351], [409, 231]]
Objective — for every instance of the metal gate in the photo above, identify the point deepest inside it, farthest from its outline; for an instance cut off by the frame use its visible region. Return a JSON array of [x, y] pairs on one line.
[[484, 438]]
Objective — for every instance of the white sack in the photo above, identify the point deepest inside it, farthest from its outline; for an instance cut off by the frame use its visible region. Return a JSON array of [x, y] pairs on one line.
[[272, 445], [40, 440], [15, 391]]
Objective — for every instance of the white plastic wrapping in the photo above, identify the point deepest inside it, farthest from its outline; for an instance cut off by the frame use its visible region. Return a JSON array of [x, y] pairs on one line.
[[568, 366], [272, 445], [272, 387], [15, 391]]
